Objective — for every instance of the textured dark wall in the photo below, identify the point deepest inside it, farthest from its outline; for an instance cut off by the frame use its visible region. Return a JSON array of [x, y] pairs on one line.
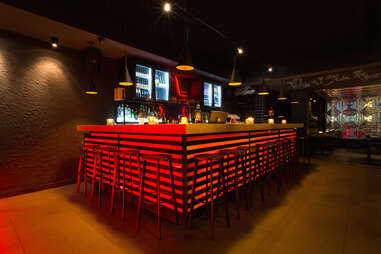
[[42, 100]]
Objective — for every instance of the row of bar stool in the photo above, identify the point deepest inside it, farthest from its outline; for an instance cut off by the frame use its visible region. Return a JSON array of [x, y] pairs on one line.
[[258, 164], [117, 174]]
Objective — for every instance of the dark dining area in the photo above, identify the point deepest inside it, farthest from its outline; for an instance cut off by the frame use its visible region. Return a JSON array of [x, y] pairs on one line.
[[190, 126]]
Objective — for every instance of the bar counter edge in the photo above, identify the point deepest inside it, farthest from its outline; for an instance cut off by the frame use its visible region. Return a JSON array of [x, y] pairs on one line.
[[187, 129]]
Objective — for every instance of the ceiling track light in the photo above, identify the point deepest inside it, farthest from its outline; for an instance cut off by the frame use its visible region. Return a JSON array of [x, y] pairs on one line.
[[235, 79], [54, 42], [185, 62], [125, 74]]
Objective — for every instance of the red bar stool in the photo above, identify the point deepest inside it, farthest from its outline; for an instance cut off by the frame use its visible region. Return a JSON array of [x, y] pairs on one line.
[[84, 151], [246, 166], [289, 156], [292, 155], [123, 170], [269, 153], [157, 159], [209, 190], [255, 172], [279, 153], [100, 170], [234, 154]]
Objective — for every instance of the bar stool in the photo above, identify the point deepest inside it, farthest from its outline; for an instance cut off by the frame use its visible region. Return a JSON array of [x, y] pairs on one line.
[[209, 159], [292, 154], [246, 166], [261, 167], [287, 157], [273, 168], [255, 172], [100, 170], [235, 154], [119, 175], [157, 159], [301, 152], [84, 151], [281, 157]]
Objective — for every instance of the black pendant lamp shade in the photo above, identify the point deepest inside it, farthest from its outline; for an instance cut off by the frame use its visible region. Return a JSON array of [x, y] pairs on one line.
[[263, 89], [185, 62], [235, 79], [125, 79], [92, 89], [282, 95], [294, 100]]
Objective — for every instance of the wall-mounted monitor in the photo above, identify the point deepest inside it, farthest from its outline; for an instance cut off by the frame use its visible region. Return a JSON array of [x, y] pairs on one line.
[[212, 95]]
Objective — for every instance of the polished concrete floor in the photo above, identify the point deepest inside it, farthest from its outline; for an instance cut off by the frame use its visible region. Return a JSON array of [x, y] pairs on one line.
[[334, 207]]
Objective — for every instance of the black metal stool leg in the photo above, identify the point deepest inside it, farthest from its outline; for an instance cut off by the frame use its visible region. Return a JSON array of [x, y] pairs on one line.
[[141, 196], [173, 191]]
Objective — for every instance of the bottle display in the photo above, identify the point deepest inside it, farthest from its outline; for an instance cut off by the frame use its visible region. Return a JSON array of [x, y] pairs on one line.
[[143, 82], [162, 85]]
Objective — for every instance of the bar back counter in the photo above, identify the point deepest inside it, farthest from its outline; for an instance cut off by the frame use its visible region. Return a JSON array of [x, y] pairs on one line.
[[182, 142]]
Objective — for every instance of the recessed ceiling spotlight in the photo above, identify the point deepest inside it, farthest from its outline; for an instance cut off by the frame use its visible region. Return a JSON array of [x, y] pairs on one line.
[[167, 7], [101, 39], [240, 51], [54, 42], [270, 69]]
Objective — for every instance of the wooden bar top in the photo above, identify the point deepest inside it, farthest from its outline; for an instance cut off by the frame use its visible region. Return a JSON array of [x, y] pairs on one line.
[[186, 129]]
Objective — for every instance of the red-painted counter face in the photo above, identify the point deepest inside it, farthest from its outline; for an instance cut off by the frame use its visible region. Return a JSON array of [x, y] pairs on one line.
[[183, 142]]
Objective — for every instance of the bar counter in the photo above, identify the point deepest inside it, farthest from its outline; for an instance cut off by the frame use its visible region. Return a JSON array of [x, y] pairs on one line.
[[182, 142]]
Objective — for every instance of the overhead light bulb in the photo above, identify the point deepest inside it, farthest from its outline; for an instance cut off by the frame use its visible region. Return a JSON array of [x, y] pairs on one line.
[[167, 7], [270, 69], [240, 51], [54, 42]]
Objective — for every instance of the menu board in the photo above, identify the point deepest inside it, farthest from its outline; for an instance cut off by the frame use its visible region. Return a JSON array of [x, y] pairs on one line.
[[143, 82], [208, 94], [161, 85]]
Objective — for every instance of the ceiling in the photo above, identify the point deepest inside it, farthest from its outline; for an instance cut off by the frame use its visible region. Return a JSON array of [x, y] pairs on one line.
[[294, 37]]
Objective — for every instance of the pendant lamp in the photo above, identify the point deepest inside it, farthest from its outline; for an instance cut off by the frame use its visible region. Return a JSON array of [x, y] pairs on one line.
[[125, 75], [263, 89], [92, 89], [185, 62], [235, 80], [282, 95]]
